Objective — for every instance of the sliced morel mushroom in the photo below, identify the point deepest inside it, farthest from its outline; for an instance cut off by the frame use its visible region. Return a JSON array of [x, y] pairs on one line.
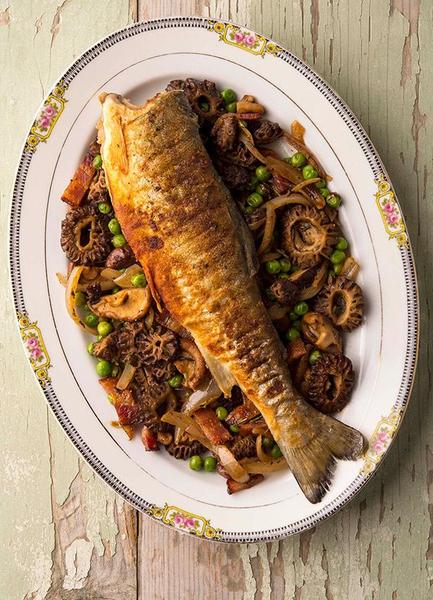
[[225, 133], [307, 235], [244, 447], [265, 131], [284, 291], [318, 330], [341, 300], [185, 448], [203, 97], [85, 238], [330, 383], [155, 345]]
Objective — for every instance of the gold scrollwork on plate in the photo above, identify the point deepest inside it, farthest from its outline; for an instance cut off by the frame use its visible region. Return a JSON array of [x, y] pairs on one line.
[[47, 118], [380, 441], [183, 520], [390, 211], [244, 38], [35, 348]]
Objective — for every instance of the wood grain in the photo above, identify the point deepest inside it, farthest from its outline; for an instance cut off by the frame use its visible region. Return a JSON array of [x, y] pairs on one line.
[[64, 534]]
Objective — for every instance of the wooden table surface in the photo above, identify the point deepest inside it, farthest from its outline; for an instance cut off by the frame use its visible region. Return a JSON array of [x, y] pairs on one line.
[[65, 535]]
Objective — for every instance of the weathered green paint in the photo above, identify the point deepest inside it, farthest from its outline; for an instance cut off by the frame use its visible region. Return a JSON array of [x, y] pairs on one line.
[[63, 534]]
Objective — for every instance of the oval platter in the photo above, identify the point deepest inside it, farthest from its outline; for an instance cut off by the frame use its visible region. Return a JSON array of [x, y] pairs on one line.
[[137, 62]]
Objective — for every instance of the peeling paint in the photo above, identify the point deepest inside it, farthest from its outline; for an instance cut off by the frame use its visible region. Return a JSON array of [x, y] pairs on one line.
[[77, 563], [247, 552]]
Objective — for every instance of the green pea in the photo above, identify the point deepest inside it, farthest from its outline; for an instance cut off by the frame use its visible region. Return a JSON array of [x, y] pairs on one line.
[[309, 172], [336, 269], [195, 463], [115, 289], [97, 161], [232, 107], [342, 244], [104, 328], [297, 324], [204, 106], [91, 320], [254, 181], [176, 381], [90, 348], [80, 299], [293, 316], [114, 226], [221, 412], [103, 368], [262, 173], [234, 428], [298, 160], [337, 257], [321, 184], [104, 208], [273, 267], [301, 308], [261, 189], [210, 464], [228, 96], [283, 276], [314, 357], [115, 371], [276, 452], [255, 199], [118, 241], [285, 265], [292, 334], [99, 338], [249, 210], [325, 192], [333, 201], [268, 442], [139, 280]]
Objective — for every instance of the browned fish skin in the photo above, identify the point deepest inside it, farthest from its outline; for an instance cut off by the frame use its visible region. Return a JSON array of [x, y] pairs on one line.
[[180, 221]]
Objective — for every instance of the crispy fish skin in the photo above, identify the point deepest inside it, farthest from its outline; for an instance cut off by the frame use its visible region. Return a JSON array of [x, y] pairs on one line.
[[181, 223]]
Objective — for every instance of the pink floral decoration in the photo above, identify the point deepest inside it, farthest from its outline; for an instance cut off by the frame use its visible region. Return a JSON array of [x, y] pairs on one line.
[[393, 218], [32, 342], [239, 37], [250, 40], [388, 207]]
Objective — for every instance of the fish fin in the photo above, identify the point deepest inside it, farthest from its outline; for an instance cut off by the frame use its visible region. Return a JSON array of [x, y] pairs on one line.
[[314, 463], [220, 372]]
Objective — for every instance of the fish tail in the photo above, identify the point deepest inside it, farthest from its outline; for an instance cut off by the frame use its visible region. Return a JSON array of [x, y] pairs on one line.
[[314, 463]]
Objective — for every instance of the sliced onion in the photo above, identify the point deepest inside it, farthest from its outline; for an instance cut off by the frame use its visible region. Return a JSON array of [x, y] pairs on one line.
[[269, 256], [317, 284], [301, 147], [231, 465], [126, 377], [255, 467], [280, 167], [202, 397], [297, 130], [63, 279], [306, 182], [149, 318], [110, 273], [263, 457], [124, 280], [71, 289], [271, 207], [350, 268], [186, 424]]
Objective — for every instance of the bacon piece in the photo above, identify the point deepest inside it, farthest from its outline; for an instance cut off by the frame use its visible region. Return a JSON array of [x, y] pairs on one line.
[[234, 486], [296, 350], [80, 182], [250, 116], [212, 427], [241, 414]]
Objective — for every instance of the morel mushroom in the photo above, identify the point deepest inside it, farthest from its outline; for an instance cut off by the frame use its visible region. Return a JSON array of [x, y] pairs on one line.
[[203, 97], [331, 382], [185, 448], [225, 133], [126, 305], [318, 330], [284, 291], [341, 300], [85, 238], [307, 235], [193, 367]]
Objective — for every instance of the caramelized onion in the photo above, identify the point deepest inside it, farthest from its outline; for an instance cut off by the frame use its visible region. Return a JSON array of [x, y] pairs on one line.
[[271, 207], [126, 377], [71, 289], [253, 466]]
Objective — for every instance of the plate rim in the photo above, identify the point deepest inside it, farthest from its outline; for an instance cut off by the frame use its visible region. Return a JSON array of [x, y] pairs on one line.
[[412, 349]]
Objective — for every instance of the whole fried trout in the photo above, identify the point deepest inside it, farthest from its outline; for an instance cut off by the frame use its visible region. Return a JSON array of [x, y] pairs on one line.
[[183, 227]]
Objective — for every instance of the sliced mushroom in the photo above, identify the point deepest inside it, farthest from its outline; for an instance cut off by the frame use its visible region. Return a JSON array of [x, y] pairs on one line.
[[193, 369], [126, 305], [318, 330], [307, 235], [331, 382], [342, 302], [85, 238], [203, 96]]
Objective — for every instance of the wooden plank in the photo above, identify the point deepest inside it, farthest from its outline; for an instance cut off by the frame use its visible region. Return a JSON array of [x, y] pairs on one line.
[[64, 533]]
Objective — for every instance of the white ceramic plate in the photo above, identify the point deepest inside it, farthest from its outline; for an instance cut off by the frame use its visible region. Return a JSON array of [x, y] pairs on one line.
[[137, 62]]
